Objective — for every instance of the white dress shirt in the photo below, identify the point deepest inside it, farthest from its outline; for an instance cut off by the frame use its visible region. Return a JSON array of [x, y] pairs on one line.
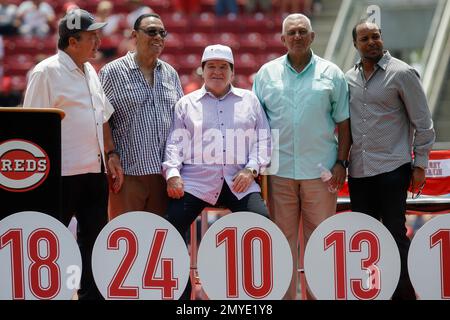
[[57, 82], [207, 145]]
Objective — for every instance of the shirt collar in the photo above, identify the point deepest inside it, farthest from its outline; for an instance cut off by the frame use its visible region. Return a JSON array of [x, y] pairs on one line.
[[131, 61], [311, 62], [382, 63], [67, 60], [202, 92]]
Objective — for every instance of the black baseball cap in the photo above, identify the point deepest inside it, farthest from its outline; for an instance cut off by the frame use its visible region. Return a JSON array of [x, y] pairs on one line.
[[78, 20]]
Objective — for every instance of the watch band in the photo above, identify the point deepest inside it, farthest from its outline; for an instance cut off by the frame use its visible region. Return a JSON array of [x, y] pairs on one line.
[[343, 163], [253, 172]]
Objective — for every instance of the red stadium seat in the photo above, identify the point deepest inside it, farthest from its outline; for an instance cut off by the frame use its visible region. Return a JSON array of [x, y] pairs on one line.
[[186, 64], [245, 64], [228, 39], [252, 43], [196, 42], [174, 43], [18, 65], [274, 44], [18, 83], [242, 81], [206, 22], [266, 57], [175, 22]]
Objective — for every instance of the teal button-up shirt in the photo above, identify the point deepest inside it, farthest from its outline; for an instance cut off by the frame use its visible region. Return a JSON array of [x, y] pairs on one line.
[[305, 108]]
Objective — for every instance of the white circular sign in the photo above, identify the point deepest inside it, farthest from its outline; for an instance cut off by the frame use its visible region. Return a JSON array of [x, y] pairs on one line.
[[39, 258], [429, 259], [352, 256], [140, 255], [244, 255]]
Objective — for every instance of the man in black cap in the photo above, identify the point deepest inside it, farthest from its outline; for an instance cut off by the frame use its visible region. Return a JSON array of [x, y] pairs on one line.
[[67, 81]]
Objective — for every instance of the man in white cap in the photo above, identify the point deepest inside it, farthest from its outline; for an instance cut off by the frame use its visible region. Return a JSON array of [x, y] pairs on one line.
[[67, 81], [203, 166]]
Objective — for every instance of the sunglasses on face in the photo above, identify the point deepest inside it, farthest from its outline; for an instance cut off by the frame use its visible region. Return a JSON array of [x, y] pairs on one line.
[[154, 32]]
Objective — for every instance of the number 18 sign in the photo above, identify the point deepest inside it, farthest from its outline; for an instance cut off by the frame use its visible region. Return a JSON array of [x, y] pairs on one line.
[[39, 258], [352, 256]]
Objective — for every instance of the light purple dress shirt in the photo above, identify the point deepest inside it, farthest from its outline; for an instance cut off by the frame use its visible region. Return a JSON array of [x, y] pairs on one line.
[[211, 139]]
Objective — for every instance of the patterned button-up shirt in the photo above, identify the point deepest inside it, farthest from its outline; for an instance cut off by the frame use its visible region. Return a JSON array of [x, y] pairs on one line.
[[389, 118], [143, 113]]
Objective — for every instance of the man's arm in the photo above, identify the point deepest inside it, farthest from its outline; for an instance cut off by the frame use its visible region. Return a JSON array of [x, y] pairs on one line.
[[177, 142], [37, 94], [415, 101], [344, 143], [112, 157]]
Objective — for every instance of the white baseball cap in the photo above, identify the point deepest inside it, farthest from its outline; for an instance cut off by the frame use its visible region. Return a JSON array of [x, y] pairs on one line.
[[218, 52]]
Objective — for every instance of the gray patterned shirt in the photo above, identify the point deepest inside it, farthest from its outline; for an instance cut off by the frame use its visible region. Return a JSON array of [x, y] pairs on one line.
[[143, 113], [389, 118]]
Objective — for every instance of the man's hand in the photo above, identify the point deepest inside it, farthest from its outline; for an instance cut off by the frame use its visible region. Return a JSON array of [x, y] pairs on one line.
[[339, 175], [417, 179], [115, 173], [242, 180], [175, 187]]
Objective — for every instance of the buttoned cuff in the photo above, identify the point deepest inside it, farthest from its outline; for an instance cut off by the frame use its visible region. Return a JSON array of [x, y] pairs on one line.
[[421, 161], [172, 172], [253, 164]]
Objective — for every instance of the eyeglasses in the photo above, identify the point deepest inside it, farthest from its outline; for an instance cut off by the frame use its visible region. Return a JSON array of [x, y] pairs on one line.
[[154, 32], [419, 192], [301, 33]]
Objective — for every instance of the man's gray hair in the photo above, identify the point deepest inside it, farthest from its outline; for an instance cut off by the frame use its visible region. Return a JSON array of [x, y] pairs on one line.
[[295, 16]]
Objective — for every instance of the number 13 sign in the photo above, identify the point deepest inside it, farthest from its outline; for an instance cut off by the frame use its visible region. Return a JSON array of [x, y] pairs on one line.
[[352, 256]]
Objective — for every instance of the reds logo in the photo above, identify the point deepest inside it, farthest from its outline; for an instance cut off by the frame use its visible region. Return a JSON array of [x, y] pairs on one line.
[[23, 165]]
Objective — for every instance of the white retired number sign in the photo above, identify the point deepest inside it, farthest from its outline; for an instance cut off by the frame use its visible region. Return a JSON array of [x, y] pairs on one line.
[[244, 256], [39, 258], [140, 255], [429, 259], [352, 256]]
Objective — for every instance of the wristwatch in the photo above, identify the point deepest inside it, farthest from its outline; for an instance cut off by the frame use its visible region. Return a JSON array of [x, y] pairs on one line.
[[253, 171], [111, 152], [343, 163]]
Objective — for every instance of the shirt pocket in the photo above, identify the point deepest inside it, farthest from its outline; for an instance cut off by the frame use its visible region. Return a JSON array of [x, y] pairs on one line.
[[277, 93], [321, 93]]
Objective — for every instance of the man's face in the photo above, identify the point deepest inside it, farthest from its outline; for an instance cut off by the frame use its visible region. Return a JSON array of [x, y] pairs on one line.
[[149, 40], [218, 76], [297, 36], [368, 41], [87, 45]]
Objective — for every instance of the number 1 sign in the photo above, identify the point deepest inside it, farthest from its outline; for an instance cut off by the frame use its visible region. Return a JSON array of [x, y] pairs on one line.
[[244, 256], [140, 255], [429, 259], [39, 258], [352, 256]]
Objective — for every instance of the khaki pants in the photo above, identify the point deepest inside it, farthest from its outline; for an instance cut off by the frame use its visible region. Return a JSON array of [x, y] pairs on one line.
[[291, 199], [139, 193]]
